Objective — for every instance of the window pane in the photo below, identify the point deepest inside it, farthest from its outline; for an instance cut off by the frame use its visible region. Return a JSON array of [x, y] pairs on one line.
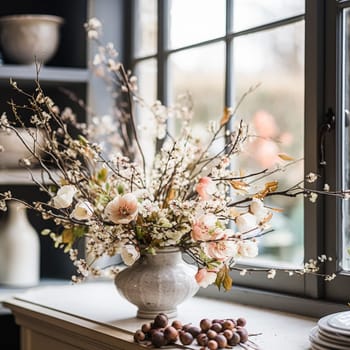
[[346, 140], [145, 35], [200, 72], [146, 72], [251, 13], [275, 58], [195, 20]]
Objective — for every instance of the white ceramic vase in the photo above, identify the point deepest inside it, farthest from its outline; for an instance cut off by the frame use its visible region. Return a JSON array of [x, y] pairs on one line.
[[19, 249], [158, 283]]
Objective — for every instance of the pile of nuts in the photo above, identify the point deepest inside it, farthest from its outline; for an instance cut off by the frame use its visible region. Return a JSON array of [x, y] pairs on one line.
[[211, 334]]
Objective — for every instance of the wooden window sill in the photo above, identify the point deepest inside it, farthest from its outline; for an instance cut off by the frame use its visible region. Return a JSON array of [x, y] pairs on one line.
[[93, 316]]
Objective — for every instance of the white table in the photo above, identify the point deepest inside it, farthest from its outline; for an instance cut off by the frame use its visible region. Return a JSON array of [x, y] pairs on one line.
[[93, 316]]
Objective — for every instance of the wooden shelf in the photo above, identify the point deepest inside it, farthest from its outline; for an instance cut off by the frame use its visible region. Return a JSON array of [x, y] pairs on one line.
[[20, 177], [7, 292], [47, 74]]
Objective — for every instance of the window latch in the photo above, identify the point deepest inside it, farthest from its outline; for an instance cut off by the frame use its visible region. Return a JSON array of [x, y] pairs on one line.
[[327, 126]]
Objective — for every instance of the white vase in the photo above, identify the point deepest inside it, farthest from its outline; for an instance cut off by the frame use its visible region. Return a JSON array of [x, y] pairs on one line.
[[19, 249], [158, 283]]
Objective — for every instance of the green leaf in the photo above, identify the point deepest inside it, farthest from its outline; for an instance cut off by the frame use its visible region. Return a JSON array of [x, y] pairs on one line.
[[82, 140], [224, 279], [70, 235], [139, 233], [227, 283], [67, 248], [53, 188], [102, 175], [46, 232], [220, 278], [67, 236], [120, 189], [151, 250], [79, 231]]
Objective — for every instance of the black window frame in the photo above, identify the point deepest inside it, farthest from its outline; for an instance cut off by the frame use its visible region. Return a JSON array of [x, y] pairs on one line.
[[309, 294]]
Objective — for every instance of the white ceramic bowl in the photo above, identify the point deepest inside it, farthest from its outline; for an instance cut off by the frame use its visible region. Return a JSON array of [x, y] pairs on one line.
[[14, 150], [26, 38]]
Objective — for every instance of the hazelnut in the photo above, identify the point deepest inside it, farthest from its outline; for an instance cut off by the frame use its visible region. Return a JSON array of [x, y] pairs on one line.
[[161, 321], [205, 324], [139, 336], [186, 338], [158, 339], [171, 334]]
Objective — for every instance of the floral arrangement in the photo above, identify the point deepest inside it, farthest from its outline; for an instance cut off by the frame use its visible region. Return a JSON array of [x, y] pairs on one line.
[[189, 197]]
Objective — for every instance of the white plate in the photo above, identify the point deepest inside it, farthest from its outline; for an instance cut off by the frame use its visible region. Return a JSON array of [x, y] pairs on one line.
[[338, 323], [334, 337], [317, 347], [316, 340]]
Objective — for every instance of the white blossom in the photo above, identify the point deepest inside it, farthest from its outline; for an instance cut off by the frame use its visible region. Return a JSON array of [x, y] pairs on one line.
[[129, 254], [311, 177], [313, 197], [246, 222], [64, 197], [326, 187], [82, 211], [258, 210], [331, 277], [271, 274], [248, 248]]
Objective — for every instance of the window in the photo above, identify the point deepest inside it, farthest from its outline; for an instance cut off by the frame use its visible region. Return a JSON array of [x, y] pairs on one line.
[[221, 48]]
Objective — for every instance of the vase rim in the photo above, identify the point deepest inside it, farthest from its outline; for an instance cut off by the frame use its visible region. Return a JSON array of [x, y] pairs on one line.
[[32, 17], [165, 250]]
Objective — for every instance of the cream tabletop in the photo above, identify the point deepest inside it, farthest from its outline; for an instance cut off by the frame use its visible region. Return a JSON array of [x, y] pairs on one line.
[[100, 303]]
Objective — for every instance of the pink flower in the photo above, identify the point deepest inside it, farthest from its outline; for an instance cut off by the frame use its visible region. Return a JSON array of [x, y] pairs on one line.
[[266, 153], [122, 209], [221, 250], [204, 277], [265, 124], [286, 138], [205, 188], [206, 229]]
